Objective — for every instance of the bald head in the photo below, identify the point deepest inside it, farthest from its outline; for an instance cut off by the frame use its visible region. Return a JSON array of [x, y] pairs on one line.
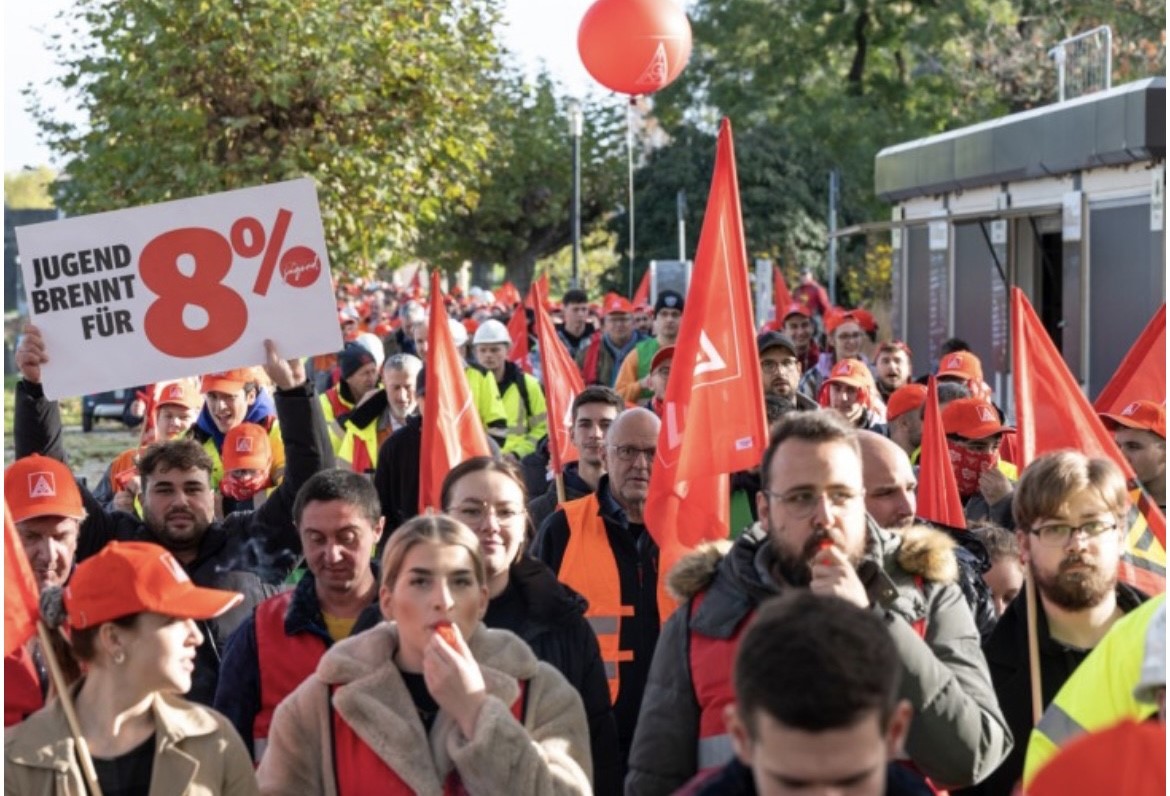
[[890, 485], [630, 445]]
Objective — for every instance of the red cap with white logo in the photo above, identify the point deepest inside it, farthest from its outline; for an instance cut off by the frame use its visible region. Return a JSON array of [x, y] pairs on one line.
[[1142, 415], [38, 486]]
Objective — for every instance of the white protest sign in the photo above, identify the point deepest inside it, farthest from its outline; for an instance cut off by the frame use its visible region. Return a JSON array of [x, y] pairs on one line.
[[179, 289]]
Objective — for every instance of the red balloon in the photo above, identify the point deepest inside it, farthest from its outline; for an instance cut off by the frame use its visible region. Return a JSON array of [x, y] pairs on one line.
[[634, 46]]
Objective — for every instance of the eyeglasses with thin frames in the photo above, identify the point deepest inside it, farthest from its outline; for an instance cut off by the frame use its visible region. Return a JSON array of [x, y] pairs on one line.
[[802, 503], [630, 453]]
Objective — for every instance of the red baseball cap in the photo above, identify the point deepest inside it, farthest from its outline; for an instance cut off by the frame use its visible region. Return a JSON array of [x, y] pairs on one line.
[[961, 365], [796, 308], [227, 380], [973, 418], [131, 577], [616, 305], [246, 447], [40, 486], [664, 354], [1143, 415], [853, 372], [181, 392], [905, 399], [837, 316], [1125, 758]]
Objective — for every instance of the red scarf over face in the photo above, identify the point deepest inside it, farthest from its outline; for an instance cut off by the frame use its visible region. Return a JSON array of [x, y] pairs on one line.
[[968, 466], [244, 488]]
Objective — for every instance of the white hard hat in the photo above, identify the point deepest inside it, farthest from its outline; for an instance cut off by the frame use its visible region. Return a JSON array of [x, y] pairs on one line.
[[492, 331], [458, 332]]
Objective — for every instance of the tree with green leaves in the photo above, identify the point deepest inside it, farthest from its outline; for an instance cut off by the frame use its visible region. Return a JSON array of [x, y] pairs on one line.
[[384, 103], [29, 189]]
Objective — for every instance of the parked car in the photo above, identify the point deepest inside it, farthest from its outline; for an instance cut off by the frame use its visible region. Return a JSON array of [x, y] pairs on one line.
[[120, 405]]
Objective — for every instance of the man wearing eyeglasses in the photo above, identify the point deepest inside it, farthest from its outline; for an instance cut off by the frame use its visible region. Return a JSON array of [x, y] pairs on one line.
[[1069, 511], [781, 368], [814, 534], [599, 546]]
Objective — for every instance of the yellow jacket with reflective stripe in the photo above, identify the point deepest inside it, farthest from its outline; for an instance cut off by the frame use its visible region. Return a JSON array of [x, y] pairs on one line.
[[485, 394], [524, 430], [1100, 692]]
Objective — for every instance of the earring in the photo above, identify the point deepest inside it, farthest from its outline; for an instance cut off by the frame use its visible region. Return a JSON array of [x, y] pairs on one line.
[[119, 657]]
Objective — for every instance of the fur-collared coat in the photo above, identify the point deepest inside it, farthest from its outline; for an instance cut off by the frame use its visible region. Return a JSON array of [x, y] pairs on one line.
[[958, 734], [548, 754]]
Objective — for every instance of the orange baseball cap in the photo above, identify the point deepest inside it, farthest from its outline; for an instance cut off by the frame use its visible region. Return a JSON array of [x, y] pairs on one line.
[[131, 577], [616, 305], [1143, 415], [664, 354], [40, 486], [246, 447], [181, 392], [961, 365], [227, 380], [973, 418], [837, 316], [853, 372], [905, 399]]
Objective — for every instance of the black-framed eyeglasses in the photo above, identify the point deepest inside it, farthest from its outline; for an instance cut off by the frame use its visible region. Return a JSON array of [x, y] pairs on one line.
[[802, 503], [1060, 535], [630, 453], [771, 367]]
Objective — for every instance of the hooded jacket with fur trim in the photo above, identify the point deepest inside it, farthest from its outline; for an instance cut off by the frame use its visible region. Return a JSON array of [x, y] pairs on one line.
[[958, 735], [548, 753]]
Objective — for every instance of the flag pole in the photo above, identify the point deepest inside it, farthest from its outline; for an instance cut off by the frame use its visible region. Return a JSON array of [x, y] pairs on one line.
[[62, 689], [1032, 606], [560, 478]]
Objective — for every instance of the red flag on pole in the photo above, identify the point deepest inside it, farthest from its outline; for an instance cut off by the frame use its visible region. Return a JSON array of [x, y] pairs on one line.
[[1142, 374], [642, 294], [938, 493], [713, 413], [781, 298], [562, 382], [518, 331], [1052, 413], [451, 428], [508, 295], [21, 601]]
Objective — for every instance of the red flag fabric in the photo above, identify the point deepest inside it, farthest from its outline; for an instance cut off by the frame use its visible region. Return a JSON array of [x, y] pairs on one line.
[[21, 601], [1142, 374], [642, 294], [938, 493], [1052, 413], [518, 331], [781, 298], [451, 428], [713, 412], [562, 382], [508, 295]]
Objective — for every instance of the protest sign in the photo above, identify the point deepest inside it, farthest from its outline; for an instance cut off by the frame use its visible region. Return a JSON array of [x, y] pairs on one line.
[[178, 289]]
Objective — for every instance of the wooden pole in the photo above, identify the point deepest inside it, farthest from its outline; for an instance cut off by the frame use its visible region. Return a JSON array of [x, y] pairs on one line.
[[62, 690], [560, 489], [1033, 605]]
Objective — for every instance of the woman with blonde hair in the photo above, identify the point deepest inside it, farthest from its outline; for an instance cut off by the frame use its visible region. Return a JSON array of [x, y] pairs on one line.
[[431, 701], [131, 610]]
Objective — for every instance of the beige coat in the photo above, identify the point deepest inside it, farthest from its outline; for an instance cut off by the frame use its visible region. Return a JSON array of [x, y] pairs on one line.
[[197, 753], [547, 755]]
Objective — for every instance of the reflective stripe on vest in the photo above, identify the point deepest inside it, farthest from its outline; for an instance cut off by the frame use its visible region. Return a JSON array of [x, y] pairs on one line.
[[589, 568], [1058, 725], [334, 406], [358, 451], [359, 770], [1143, 559], [284, 662]]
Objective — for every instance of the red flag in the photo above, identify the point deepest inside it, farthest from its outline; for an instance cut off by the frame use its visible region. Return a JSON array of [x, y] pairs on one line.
[[938, 493], [518, 331], [1052, 413], [1142, 374], [642, 294], [451, 428], [713, 414], [781, 298], [508, 295], [21, 603], [562, 382]]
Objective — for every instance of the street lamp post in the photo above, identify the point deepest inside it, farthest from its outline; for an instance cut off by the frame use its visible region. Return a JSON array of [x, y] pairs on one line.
[[576, 121]]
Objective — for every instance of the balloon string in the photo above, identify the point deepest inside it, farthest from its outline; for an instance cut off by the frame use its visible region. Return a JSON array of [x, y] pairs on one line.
[[630, 175]]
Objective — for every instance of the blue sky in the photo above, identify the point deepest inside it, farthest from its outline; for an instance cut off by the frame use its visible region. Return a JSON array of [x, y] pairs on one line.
[[537, 30]]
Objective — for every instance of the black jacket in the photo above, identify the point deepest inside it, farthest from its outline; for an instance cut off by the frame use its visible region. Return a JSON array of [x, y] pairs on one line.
[[541, 508], [1007, 658], [396, 476], [636, 555], [735, 779], [250, 552]]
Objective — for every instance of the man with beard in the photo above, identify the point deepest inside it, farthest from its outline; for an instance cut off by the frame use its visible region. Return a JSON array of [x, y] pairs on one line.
[[1069, 513], [892, 367], [813, 533], [593, 411], [249, 552], [781, 369]]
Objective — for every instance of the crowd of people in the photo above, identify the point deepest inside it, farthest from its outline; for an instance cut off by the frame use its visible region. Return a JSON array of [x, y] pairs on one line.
[[250, 601]]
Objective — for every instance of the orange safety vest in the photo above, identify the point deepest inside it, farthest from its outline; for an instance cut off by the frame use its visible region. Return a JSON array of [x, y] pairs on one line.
[[589, 567], [360, 771], [284, 662]]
